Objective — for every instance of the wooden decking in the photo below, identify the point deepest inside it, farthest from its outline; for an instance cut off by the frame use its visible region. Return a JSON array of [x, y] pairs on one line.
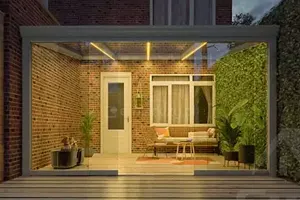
[[149, 187]]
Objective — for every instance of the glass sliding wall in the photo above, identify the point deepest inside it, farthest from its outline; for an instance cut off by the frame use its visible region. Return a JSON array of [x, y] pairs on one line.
[[149, 107]]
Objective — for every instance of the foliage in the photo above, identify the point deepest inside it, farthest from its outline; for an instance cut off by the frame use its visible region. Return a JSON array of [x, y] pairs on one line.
[[87, 127], [287, 16], [243, 19], [228, 128], [242, 75]]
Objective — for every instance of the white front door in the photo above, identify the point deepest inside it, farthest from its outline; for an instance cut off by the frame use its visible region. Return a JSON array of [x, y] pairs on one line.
[[116, 112]]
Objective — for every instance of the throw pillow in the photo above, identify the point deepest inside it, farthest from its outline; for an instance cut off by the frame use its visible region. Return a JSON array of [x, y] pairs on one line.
[[213, 132], [162, 132], [209, 133]]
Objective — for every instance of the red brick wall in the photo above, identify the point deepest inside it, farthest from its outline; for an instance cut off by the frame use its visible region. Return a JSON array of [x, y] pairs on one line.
[[55, 102], [142, 133], [101, 12], [18, 13], [223, 12]]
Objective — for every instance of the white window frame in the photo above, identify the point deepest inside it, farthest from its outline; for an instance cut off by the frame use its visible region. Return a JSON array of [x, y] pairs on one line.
[[191, 12], [192, 84]]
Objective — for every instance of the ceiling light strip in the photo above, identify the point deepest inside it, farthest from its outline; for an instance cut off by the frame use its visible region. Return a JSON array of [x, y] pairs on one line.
[[101, 50], [193, 51], [148, 50]]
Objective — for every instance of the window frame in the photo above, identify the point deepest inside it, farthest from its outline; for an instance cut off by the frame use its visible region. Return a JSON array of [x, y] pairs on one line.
[[191, 84], [191, 12]]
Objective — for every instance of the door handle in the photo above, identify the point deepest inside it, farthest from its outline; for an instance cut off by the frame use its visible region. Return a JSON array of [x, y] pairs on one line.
[[128, 119]]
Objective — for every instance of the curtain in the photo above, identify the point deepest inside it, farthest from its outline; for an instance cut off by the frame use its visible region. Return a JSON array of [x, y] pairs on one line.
[[180, 104], [160, 104], [207, 91], [180, 101]]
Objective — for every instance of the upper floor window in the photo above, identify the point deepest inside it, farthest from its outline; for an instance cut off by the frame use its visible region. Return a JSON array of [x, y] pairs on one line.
[[182, 12]]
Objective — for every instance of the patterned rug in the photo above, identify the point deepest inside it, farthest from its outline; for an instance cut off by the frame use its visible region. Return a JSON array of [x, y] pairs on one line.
[[174, 161]]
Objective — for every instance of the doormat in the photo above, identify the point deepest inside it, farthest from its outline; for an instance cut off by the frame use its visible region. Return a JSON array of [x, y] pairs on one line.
[[174, 161]]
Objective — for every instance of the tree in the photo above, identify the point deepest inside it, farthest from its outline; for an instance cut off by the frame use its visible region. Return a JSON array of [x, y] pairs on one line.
[[243, 19]]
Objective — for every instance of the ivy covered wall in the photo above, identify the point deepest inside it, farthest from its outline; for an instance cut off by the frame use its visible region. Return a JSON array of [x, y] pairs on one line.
[[243, 75], [287, 16]]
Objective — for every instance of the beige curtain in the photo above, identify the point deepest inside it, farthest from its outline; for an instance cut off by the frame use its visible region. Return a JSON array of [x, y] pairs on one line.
[[180, 101], [160, 104], [180, 104]]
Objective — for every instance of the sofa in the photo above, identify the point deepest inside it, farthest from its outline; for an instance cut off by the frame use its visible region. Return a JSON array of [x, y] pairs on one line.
[[207, 138]]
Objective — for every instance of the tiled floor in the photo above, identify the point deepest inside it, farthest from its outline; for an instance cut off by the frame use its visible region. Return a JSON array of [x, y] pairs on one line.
[[127, 164]]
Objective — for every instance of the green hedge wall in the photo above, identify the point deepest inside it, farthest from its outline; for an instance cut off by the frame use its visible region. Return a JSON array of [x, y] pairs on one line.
[[287, 16], [242, 75]]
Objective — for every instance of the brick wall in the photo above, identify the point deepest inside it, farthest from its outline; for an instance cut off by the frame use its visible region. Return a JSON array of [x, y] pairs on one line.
[[142, 133], [223, 12], [1, 99], [118, 12], [63, 88], [55, 102], [101, 12], [18, 13]]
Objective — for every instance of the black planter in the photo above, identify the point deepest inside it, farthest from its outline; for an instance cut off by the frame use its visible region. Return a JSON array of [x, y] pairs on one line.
[[231, 156], [80, 156], [247, 154]]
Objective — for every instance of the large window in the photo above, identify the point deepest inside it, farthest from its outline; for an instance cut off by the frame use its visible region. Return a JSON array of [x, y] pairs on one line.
[[182, 12], [182, 100]]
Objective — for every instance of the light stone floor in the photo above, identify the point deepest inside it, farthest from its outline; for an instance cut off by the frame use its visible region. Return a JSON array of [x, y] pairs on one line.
[[126, 164]]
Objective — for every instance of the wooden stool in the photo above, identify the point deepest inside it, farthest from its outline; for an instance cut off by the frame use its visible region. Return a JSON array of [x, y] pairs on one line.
[[184, 144]]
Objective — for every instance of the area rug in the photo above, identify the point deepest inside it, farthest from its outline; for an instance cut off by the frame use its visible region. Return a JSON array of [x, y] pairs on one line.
[[174, 161]]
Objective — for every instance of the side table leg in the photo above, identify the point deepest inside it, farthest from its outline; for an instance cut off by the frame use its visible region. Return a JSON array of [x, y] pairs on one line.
[[154, 151], [194, 154], [183, 152], [177, 151]]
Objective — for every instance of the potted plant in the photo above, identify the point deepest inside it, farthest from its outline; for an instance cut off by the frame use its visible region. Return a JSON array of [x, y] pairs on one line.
[[247, 148], [86, 129], [229, 128]]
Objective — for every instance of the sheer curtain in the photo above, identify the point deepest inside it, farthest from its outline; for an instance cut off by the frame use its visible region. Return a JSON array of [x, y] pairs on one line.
[[180, 104], [180, 101], [160, 104]]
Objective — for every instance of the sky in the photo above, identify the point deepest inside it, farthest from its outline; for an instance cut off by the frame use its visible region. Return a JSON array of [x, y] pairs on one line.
[[255, 7]]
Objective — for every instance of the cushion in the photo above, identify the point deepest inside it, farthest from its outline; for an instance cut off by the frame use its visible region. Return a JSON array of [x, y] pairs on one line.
[[203, 134], [211, 132], [162, 132], [205, 141]]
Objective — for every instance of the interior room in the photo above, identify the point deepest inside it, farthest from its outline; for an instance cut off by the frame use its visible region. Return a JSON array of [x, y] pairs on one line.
[[150, 107]]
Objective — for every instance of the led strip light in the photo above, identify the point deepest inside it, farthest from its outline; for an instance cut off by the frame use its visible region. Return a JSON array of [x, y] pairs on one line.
[[193, 51], [148, 50], [101, 50]]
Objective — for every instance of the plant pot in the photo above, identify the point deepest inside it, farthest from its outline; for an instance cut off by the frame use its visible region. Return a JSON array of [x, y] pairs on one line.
[[247, 154], [80, 156], [88, 152], [231, 156]]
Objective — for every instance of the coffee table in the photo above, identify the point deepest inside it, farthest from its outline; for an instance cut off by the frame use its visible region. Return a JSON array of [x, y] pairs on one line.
[[184, 145]]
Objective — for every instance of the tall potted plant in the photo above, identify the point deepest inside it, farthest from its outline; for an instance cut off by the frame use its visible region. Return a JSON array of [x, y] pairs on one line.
[[86, 129], [229, 128]]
